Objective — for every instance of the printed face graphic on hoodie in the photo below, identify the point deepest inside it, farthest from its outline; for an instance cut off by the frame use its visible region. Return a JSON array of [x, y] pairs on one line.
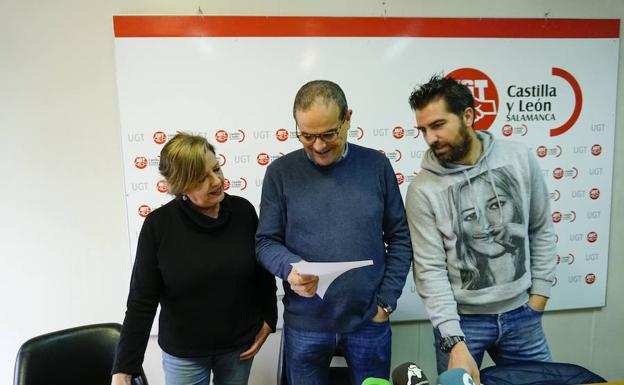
[[489, 224], [483, 221]]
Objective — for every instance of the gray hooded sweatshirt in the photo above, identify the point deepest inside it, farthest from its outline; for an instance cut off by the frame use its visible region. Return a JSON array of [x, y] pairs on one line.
[[482, 235]]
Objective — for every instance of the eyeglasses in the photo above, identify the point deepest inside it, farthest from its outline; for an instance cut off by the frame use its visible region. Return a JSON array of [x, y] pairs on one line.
[[328, 136]]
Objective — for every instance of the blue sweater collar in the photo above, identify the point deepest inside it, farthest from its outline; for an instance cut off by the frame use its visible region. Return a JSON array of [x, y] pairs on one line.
[[345, 153]]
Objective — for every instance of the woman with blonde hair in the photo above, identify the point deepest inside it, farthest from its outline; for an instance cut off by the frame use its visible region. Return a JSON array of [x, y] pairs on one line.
[[196, 258]]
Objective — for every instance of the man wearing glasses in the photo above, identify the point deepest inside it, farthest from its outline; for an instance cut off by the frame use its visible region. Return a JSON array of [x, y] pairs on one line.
[[333, 201]]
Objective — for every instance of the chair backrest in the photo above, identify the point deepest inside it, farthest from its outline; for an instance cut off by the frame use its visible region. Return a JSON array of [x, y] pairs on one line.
[[538, 373], [78, 356]]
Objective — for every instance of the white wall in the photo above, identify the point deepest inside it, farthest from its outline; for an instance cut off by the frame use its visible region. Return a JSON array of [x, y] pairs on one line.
[[63, 244]]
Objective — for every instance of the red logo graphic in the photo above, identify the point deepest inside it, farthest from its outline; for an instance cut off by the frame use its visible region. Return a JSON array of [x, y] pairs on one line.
[[543, 151], [485, 94], [144, 210], [417, 131], [400, 178], [222, 160], [241, 136], [558, 173], [509, 130], [558, 216], [596, 149], [226, 184], [594, 193], [570, 258], [398, 132], [357, 133], [263, 159], [159, 137], [162, 186], [140, 162], [592, 237], [281, 134], [590, 278], [395, 155], [578, 101], [221, 136]]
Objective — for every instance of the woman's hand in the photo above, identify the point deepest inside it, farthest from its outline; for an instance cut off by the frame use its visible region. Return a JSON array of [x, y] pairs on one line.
[[121, 379], [257, 344]]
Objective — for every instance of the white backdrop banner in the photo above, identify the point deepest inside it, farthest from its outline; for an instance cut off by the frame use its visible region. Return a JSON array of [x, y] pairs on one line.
[[548, 84]]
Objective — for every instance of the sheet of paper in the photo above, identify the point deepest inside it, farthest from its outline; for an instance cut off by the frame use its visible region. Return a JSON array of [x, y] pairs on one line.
[[327, 271]]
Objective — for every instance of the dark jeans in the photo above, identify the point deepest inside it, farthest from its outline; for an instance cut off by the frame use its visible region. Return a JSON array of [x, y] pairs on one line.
[[516, 335], [367, 352]]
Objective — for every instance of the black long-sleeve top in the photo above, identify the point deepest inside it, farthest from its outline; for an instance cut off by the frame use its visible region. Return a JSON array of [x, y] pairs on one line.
[[214, 296]]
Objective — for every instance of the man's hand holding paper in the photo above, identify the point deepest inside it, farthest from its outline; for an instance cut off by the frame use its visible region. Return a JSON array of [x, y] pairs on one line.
[[303, 284], [311, 278]]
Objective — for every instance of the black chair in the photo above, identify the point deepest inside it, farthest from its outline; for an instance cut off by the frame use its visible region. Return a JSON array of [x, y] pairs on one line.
[[338, 375], [78, 356], [538, 373]]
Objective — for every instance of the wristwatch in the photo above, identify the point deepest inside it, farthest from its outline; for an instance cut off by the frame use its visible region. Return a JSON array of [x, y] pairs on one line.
[[447, 343], [387, 308]]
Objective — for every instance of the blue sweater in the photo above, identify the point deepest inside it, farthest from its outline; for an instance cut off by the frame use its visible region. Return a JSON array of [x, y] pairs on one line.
[[349, 211]]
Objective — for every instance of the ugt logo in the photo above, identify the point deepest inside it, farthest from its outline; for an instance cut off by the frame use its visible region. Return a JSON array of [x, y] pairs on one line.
[[140, 162], [485, 95], [159, 137], [143, 210]]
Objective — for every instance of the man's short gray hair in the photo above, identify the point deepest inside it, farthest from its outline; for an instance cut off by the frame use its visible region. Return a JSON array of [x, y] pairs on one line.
[[328, 91]]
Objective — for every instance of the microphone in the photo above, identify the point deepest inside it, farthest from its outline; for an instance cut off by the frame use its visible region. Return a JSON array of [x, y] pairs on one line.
[[409, 374], [375, 381], [456, 376]]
